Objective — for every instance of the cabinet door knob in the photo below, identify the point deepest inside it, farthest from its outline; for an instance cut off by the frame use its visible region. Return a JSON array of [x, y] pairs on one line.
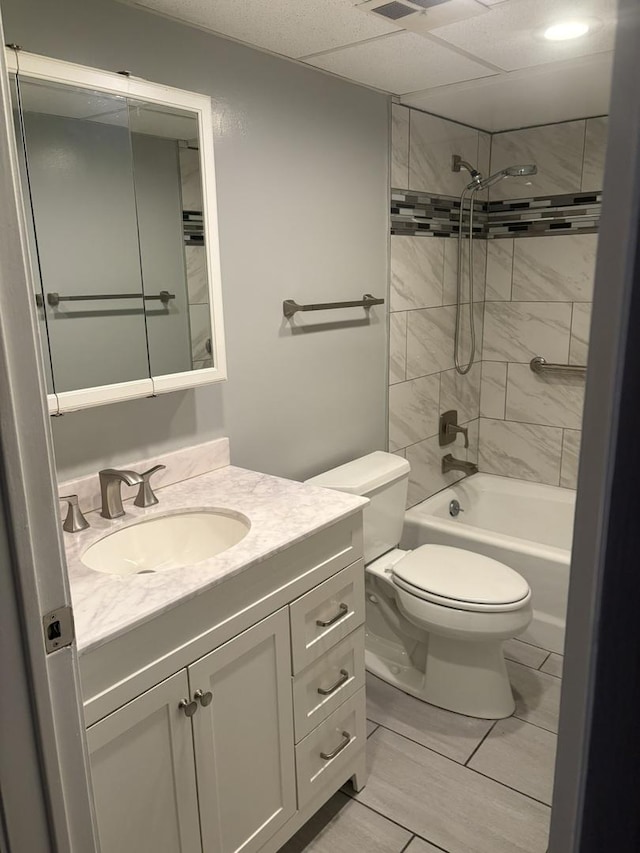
[[327, 691], [188, 707], [344, 743], [342, 612], [203, 698]]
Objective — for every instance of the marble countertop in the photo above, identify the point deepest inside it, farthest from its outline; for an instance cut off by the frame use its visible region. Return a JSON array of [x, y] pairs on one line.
[[281, 512]]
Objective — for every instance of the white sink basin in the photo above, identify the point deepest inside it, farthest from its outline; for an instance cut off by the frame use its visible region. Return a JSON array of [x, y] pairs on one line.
[[165, 542]]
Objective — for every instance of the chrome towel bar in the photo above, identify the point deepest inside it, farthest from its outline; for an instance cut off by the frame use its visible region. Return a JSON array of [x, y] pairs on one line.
[[541, 366], [54, 298], [291, 307]]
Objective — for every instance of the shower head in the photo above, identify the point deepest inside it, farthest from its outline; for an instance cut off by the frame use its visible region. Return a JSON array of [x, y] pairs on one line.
[[509, 172]]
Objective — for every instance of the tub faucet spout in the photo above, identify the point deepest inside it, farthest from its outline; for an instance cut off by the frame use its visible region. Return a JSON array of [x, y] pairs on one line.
[[450, 463]]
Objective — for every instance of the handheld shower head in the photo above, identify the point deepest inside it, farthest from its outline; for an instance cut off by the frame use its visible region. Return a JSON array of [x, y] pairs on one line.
[[509, 172]]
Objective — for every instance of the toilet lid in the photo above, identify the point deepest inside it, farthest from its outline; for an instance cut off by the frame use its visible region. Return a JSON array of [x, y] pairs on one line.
[[457, 575]]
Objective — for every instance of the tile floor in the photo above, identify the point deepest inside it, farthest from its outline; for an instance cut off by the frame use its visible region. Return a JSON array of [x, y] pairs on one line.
[[443, 782]]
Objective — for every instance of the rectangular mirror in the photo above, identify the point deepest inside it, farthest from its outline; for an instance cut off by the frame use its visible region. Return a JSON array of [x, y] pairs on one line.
[[118, 185]]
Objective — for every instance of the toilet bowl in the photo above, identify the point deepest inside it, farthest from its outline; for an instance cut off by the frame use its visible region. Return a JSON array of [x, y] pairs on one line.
[[436, 616], [465, 605]]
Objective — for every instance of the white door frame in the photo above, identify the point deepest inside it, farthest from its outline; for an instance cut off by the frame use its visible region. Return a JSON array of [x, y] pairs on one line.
[[44, 775]]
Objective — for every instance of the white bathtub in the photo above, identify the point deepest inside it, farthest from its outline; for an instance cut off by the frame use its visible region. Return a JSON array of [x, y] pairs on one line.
[[525, 525]]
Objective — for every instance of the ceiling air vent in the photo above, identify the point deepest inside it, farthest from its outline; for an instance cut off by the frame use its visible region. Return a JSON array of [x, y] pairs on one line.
[[421, 16], [394, 10]]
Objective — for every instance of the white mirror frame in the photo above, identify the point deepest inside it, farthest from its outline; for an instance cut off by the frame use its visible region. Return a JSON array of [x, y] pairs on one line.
[[57, 71]]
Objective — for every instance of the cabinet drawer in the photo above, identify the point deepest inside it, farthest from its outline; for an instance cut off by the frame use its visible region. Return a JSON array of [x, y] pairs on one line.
[[324, 616], [327, 751], [328, 682]]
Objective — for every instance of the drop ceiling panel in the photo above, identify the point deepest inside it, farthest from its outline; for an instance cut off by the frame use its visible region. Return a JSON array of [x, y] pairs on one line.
[[400, 63], [291, 28], [560, 92], [510, 34]]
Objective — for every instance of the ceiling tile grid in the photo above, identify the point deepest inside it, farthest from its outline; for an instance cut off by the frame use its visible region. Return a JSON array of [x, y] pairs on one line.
[[481, 62], [511, 34], [398, 62], [293, 28]]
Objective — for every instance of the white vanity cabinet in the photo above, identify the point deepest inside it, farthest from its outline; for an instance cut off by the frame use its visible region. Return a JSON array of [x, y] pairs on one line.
[[255, 731], [243, 738], [236, 739], [143, 773]]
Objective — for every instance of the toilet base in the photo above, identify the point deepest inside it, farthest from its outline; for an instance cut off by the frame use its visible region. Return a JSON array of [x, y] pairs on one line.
[[478, 688]]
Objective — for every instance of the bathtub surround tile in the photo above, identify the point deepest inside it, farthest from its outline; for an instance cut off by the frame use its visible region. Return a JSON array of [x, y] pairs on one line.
[[190, 178], [430, 341], [520, 756], [432, 141], [570, 458], [449, 734], [474, 440], [524, 451], [465, 333], [595, 149], [344, 825], [461, 392], [450, 286], [525, 653], [580, 327], [559, 268], [397, 347], [483, 161], [553, 665], [426, 477], [556, 149], [413, 411], [197, 285], [537, 696], [552, 400], [499, 270], [400, 117], [518, 331], [416, 272], [423, 790], [200, 326], [493, 389]]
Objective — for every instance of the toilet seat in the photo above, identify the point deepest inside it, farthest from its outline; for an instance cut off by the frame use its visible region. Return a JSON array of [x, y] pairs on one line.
[[464, 580]]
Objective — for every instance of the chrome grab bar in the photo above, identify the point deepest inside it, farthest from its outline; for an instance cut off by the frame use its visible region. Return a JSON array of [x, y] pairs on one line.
[[291, 307], [541, 366]]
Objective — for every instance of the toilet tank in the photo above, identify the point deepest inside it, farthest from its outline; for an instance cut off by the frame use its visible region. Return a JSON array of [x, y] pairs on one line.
[[383, 478]]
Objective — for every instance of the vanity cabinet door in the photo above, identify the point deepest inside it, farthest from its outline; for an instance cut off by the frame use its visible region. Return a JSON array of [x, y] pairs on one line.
[[243, 736], [143, 773]]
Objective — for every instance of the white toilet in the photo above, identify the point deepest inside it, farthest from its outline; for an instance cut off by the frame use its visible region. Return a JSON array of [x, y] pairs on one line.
[[436, 616]]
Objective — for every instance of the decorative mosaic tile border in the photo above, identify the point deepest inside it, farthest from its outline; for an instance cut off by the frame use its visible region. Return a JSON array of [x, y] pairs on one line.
[[438, 216], [193, 227]]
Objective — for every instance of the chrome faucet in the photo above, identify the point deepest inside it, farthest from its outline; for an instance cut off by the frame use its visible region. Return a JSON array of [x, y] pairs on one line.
[[450, 463], [111, 480]]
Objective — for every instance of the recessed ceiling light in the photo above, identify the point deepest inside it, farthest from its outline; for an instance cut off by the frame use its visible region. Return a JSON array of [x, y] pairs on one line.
[[566, 30]]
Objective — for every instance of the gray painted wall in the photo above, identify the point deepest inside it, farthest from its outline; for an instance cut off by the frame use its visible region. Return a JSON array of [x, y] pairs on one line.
[[302, 177]]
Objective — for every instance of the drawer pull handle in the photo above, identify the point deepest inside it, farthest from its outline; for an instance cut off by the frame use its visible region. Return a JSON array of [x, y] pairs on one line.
[[342, 612], [327, 691], [344, 743]]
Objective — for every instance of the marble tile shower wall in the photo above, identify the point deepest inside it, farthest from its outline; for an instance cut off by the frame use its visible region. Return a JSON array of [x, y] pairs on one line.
[[538, 302], [422, 379], [533, 297], [195, 259]]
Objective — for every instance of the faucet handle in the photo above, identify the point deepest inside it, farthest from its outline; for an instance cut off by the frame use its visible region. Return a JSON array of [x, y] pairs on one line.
[[146, 496], [75, 520]]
